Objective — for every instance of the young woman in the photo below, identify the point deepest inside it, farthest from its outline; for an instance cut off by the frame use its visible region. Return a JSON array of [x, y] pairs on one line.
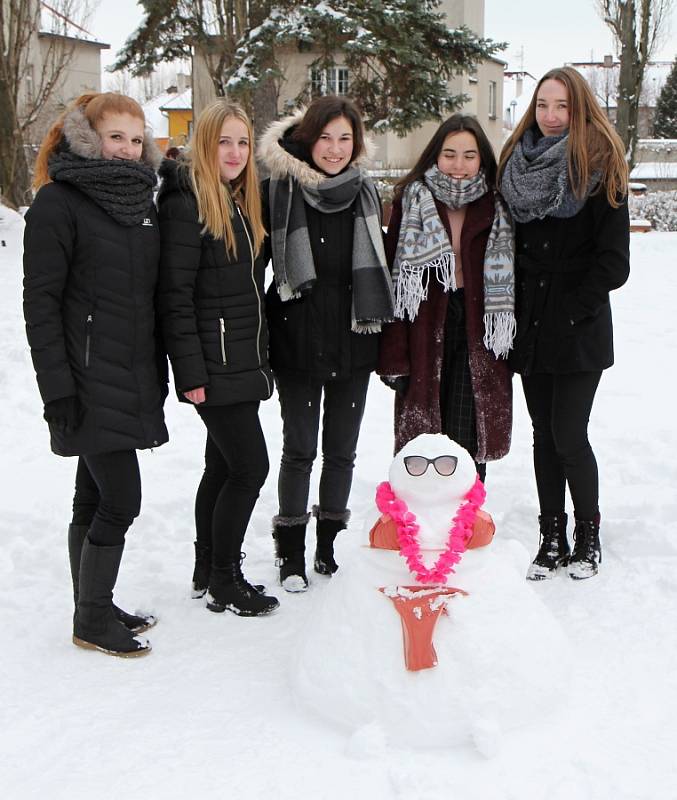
[[211, 301], [331, 293], [450, 244], [91, 250], [564, 177]]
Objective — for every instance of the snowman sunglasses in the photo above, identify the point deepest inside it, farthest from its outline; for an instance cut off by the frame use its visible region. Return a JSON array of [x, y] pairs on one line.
[[418, 465]]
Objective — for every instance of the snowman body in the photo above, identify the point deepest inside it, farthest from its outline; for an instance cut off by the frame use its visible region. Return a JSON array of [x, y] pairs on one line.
[[501, 656]]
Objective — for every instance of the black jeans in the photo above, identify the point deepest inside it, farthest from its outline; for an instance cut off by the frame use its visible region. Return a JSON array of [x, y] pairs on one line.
[[343, 408], [236, 466], [559, 406], [107, 495]]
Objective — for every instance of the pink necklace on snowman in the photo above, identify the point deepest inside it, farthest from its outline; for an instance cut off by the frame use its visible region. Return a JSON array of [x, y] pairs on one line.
[[460, 532]]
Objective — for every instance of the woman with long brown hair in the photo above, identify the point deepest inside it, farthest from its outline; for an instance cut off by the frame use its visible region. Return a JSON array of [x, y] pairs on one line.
[[564, 176], [450, 244], [91, 251], [211, 301]]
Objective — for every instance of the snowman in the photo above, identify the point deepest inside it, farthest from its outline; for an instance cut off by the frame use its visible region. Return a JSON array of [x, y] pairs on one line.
[[428, 636]]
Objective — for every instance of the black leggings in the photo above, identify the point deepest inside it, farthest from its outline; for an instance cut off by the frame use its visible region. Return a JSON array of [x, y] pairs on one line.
[[559, 406], [107, 495], [236, 466]]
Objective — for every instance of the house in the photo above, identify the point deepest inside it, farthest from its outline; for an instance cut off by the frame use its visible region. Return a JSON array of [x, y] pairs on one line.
[[170, 114], [60, 50], [518, 89], [603, 79], [484, 86]]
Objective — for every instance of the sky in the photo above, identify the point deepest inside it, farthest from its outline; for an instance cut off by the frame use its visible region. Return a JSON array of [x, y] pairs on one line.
[[538, 41]]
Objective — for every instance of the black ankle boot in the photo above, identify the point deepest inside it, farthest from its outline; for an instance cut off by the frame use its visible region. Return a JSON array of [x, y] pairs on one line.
[[290, 549], [554, 549], [587, 554], [228, 589], [95, 626], [137, 623], [327, 530], [203, 565]]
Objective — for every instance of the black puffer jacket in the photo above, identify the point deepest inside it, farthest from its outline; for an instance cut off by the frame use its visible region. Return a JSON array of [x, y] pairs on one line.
[[89, 306], [312, 335], [211, 303], [565, 269]]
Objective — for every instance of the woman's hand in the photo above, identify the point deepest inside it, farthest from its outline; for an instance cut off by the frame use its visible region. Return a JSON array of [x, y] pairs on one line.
[[196, 396]]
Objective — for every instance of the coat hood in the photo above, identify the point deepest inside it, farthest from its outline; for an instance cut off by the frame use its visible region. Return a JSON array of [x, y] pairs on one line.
[[85, 142], [281, 162]]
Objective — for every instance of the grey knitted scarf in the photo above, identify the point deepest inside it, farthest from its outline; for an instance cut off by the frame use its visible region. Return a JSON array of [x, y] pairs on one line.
[[123, 189], [293, 264], [535, 182], [424, 248]]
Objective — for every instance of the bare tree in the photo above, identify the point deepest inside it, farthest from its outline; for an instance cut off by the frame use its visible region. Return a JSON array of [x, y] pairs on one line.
[[36, 48], [637, 26]]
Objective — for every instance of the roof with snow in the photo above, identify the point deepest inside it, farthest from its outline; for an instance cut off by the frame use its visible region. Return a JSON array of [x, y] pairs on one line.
[[153, 110], [654, 170]]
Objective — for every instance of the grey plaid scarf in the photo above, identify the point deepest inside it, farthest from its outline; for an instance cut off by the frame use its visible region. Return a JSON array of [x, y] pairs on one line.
[[293, 265], [535, 182], [423, 247]]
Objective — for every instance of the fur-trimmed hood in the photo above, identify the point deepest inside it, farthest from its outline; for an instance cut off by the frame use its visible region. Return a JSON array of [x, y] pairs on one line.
[[281, 162], [85, 142]]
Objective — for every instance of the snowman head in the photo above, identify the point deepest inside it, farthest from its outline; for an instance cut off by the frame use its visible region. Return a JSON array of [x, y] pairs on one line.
[[432, 472]]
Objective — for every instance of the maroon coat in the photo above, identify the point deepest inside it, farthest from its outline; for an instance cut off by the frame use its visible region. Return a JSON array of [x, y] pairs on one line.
[[417, 348]]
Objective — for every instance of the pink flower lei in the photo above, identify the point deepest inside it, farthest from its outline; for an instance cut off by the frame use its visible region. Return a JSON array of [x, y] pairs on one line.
[[407, 531]]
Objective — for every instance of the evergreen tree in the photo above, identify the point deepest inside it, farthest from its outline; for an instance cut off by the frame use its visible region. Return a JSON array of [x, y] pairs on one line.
[[400, 54], [665, 119]]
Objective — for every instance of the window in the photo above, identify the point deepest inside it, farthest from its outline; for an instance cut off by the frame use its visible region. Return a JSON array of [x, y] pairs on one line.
[[492, 99], [332, 80]]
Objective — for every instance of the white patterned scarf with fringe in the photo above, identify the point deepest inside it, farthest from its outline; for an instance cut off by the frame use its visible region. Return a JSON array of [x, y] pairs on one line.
[[424, 249]]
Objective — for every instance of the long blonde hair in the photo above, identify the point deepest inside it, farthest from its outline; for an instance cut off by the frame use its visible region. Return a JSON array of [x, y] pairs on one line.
[[214, 200], [95, 106], [594, 146]]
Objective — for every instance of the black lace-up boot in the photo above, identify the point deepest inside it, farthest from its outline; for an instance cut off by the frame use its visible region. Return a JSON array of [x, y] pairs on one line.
[[587, 555], [229, 590], [554, 548]]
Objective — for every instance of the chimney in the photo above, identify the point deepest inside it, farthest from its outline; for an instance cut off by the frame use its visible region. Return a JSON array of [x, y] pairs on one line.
[[608, 61]]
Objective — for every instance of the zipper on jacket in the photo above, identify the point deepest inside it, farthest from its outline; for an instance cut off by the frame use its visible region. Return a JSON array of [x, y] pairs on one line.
[[222, 334], [258, 297], [88, 337]]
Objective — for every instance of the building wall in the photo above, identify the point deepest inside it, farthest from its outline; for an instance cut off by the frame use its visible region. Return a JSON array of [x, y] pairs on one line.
[[180, 122]]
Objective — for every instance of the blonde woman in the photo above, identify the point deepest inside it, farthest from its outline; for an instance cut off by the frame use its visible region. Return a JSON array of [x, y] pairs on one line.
[[564, 176], [211, 301], [91, 251]]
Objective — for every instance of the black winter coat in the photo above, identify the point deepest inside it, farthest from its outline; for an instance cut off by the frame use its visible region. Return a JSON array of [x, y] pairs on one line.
[[89, 291], [565, 269], [312, 335], [211, 303]]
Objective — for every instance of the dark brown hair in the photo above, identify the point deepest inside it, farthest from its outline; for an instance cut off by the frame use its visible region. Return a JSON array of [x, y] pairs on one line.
[[593, 145], [321, 112], [429, 156]]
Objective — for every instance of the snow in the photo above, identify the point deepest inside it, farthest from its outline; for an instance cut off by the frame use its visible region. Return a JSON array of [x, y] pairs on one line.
[[654, 170], [216, 703]]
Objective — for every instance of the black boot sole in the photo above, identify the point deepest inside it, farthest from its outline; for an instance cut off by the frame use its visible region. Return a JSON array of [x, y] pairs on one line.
[[91, 646], [217, 608]]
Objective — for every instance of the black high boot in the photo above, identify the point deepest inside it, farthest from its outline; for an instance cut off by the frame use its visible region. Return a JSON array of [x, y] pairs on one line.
[[95, 626], [137, 623], [554, 549], [328, 526], [290, 548], [587, 554], [228, 589]]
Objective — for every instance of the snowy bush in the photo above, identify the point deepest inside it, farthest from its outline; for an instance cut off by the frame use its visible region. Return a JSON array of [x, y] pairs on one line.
[[660, 208]]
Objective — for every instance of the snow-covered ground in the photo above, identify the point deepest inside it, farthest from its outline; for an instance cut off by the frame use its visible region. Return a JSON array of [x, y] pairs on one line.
[[211, 712]]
